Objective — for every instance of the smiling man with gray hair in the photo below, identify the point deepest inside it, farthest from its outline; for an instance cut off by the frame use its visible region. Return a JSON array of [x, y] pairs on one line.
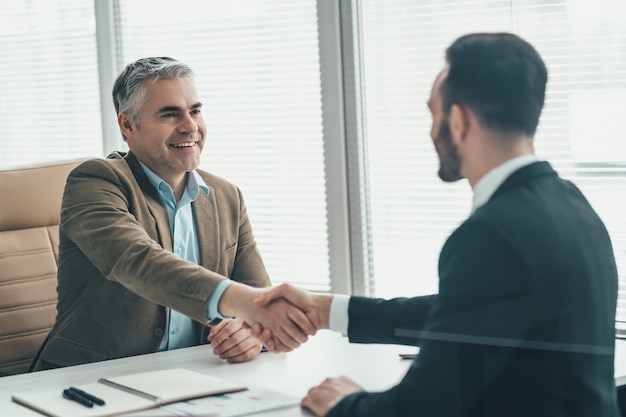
[[155, 253]]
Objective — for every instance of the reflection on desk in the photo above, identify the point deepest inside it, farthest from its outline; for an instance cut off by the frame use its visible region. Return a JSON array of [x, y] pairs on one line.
[[620, 362], [375, 367]]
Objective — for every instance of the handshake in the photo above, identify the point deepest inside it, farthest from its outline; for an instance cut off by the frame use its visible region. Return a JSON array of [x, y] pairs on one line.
[[282, 317]]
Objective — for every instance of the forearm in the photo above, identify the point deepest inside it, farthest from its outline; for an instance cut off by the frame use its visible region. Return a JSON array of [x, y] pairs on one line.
[[378, 320]]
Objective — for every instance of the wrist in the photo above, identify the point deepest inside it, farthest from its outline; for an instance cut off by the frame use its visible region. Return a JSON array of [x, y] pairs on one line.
[[322, 303], [234, 299]]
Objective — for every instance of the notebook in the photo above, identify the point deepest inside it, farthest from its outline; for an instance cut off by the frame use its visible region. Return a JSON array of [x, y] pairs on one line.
[[243, 403], [128, 393]]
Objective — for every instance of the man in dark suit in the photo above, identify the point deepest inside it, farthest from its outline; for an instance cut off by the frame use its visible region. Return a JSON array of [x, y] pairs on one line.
[[523, 323]]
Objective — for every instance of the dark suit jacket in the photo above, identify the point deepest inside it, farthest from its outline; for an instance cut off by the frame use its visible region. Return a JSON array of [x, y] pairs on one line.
[[117, 271], [523, 324]]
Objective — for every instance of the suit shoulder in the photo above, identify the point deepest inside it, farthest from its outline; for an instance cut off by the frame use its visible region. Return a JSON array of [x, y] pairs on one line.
[[93, 165], [108, 169]]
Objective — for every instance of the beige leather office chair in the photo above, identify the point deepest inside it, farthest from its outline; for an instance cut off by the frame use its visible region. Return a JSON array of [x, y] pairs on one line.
[[30, 202]]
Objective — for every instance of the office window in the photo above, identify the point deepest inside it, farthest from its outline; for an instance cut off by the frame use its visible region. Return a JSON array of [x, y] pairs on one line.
[[50, 105], [257, 66], [580, 133]]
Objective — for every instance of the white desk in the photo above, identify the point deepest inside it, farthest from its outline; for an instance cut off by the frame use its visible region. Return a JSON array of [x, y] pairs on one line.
[[375, 367]]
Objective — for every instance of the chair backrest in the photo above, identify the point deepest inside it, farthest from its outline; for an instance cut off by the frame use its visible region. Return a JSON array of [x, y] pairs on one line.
[[30, 203]]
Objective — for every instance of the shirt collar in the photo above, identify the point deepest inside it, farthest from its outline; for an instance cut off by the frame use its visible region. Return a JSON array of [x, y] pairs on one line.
[[194, 182], [488, 184]]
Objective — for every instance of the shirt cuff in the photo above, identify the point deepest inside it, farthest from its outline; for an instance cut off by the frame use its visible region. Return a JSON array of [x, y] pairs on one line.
[[338, 316], [214, 301]]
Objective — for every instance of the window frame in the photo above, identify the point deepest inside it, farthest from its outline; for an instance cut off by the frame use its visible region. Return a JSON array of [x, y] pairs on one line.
[[345, 153]]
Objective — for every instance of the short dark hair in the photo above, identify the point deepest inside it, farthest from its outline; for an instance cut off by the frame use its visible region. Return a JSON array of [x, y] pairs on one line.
[[500, 77]]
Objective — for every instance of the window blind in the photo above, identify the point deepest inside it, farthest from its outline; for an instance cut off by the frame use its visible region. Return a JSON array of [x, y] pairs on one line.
[[257, 67], [580, 133], [50, 106]]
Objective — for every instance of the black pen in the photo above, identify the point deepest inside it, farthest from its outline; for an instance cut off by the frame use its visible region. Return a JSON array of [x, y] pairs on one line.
[[72, 396], [408, 355], [92, 398]]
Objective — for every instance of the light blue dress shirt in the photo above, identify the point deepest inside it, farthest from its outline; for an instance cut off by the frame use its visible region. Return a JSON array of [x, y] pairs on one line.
[[180, 332]]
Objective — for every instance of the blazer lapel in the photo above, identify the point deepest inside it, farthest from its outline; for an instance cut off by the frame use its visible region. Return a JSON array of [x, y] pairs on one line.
[[207, 225], [153, 201], [160, 216]]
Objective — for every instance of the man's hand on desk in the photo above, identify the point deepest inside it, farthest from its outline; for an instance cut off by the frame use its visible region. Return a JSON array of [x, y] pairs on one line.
[[233, 341], [315, 306], [322, 398], [287, 324]]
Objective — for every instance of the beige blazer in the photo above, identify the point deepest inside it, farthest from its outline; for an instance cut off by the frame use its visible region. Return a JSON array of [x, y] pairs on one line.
[[117, 273]]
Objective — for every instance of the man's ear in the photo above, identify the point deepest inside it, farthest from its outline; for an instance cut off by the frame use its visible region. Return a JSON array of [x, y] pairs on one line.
[[126, 124], [459, 124]]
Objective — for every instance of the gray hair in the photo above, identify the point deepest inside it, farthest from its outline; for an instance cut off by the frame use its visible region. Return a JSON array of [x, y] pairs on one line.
[[129, 92]]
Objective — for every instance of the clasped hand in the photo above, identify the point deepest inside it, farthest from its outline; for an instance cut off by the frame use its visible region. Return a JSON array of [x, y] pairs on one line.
[[314, 307], [232, 340], [282, 317]]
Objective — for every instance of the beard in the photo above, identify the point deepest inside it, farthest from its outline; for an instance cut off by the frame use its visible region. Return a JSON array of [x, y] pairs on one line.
[[449, 163]]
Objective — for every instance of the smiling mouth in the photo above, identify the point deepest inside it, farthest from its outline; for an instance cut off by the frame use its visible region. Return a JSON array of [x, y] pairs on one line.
[[183, 145]]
